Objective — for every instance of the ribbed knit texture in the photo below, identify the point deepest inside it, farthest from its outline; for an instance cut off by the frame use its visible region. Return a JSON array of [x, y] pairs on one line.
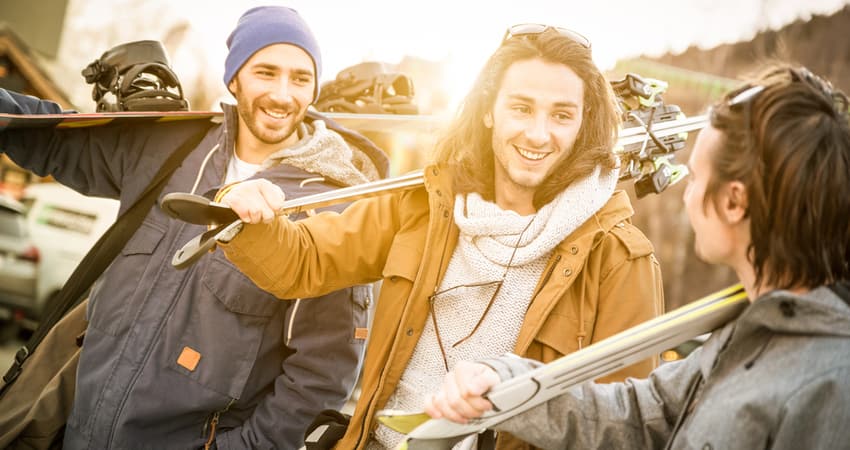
[[488, 236], [326, 153]]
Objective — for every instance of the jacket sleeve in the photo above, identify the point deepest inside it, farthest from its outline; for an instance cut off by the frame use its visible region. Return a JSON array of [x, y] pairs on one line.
[[319, 373], [630, 293], [637, 413], [71, 156], [323, 253], [816, 416], [90, 160], [14, 103]]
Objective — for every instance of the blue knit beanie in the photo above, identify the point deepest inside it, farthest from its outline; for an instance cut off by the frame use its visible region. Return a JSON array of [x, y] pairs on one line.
[[266, 25]]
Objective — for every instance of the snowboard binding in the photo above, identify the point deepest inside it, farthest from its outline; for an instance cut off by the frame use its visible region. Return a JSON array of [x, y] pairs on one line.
[[650, 162], [135, 76], [368, 88]]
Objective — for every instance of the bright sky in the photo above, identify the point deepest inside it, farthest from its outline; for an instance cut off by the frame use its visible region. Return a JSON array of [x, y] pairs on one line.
[[460, 34]]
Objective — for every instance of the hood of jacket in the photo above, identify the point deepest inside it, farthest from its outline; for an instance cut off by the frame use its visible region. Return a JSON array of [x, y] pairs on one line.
[[817, 312]]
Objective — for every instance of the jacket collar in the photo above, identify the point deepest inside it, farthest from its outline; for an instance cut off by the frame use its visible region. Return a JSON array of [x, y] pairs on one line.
[[227, 141], [819, 312]]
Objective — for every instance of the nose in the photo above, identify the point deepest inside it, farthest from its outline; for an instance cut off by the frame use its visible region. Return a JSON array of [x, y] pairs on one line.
[[281, 92], [537, 131]]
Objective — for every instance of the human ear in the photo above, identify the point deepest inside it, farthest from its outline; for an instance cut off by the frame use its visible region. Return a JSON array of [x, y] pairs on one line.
[[488, 120], [232, 86], [735, 205]]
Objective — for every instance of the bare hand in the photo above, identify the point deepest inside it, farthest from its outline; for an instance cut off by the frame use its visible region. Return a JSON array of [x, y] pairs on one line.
[[255, 201], [461, 397]]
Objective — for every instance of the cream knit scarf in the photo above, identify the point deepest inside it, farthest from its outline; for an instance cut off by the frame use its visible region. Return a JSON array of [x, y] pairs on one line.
[[326, 153], [488, 237]]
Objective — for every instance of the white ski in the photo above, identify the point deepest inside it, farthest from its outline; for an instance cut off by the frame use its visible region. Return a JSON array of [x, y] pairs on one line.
[[519, 394]]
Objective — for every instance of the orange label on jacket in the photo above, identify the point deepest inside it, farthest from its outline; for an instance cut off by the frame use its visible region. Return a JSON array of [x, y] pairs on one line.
[[361, 333], [189, 358]]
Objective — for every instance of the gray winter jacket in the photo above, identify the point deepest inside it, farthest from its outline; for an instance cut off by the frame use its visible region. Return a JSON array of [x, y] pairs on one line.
[[776, 378], [266, 366]]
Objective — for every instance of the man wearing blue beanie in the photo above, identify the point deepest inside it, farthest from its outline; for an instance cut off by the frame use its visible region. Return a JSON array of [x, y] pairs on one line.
[[266, 25], [203, 358]]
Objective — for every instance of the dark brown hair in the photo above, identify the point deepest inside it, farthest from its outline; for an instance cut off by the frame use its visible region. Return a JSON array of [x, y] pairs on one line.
[[467, 142], [790, 146]]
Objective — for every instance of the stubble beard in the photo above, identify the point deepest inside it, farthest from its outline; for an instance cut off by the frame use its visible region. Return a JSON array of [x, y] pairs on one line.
[[248, 111]]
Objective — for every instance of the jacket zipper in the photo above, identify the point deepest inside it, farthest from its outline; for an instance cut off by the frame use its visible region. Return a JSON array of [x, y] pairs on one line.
[[212, 424]]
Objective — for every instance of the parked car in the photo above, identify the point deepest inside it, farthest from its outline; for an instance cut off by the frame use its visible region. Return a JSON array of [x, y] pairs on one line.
[[19, 263], [60, 227]]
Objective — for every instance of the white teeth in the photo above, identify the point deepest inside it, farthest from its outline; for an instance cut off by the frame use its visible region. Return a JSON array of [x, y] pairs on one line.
[[276, 115], [531, 155]]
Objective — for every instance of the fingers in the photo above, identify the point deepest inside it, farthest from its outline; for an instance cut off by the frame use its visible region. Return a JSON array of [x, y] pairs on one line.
[[255, 201], [273, 195], [461, 397]]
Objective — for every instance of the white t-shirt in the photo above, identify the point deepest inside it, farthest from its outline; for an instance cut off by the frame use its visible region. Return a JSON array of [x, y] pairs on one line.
[[238, 170]]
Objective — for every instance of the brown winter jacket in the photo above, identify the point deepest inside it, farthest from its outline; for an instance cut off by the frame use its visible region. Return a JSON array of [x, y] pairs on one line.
[[599, 281]]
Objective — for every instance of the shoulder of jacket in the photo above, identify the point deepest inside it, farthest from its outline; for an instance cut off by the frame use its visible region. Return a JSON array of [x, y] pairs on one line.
[[618, 234], [632, 239]]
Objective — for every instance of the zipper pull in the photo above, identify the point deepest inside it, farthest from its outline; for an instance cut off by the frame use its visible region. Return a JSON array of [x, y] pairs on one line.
[[213, 424]]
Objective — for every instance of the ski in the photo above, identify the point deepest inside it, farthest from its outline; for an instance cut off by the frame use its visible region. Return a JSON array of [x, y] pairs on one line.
[[519, 394], [385, 123], [653, 171]]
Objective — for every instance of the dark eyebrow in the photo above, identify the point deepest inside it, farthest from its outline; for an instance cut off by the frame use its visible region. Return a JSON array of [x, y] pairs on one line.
[[566, 105], [266, 66], [304, 72], [527, 99], [275, 67]]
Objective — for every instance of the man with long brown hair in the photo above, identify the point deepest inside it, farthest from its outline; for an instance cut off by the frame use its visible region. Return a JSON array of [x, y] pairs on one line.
[[518, 241], [769, 198]]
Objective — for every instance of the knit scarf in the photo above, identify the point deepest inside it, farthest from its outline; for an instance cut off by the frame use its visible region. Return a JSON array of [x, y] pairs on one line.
[[326, 153], [494, 244]]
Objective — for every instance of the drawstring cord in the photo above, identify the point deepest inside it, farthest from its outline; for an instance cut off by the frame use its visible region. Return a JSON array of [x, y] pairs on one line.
[[201, 170]]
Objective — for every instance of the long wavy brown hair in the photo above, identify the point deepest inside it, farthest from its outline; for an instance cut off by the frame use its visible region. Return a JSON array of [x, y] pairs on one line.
[[790, 147], [467, 143]]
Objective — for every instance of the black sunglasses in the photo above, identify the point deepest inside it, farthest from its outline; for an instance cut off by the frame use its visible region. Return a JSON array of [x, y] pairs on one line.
[[527, 30]]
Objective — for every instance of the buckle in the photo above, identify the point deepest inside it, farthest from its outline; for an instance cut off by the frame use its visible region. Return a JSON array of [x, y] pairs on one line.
[[20, 356]]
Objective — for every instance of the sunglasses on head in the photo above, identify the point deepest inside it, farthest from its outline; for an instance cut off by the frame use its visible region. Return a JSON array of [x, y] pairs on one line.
[[530, 30], [745, 96], [748, 93]]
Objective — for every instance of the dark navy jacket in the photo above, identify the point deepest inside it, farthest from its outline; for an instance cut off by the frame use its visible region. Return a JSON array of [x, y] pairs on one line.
[[266, 366]]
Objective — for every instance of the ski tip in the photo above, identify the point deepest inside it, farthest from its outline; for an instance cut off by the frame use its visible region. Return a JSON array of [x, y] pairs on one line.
[[402, 421]]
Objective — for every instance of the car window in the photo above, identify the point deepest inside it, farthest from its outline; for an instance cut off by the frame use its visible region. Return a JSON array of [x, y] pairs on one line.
[[12, 223]]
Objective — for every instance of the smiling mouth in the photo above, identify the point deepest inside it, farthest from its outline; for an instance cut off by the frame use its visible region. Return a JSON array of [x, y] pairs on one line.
[[275, 114], [527, 154]]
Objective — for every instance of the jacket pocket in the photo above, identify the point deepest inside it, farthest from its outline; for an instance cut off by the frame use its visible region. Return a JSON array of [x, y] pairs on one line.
[[113, 296], [403, 260], [558, 336], [219, 326], [235, 291]]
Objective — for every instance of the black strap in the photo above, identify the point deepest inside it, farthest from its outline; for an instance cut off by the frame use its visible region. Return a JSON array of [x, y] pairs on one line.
[[101, 255], [327, 428]]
